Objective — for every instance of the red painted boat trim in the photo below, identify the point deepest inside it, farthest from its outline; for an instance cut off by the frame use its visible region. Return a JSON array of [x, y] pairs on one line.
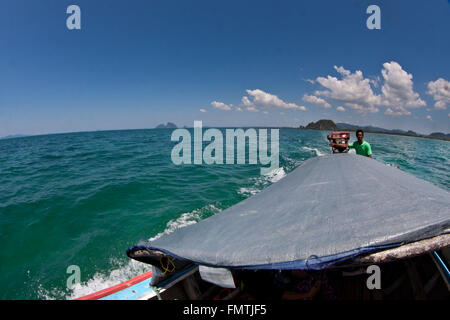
[[118, 287]]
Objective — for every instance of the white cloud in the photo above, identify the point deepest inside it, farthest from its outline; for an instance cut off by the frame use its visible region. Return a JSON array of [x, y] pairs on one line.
[[397, 91], [316, 100], [252, 109], [391, 112], [265, 112], [221, 106], [429, 117], [376, 81], [266, 100], [440, 90], [340, 108], [246, 102], [239, 109], [353, 90], [202, 110]]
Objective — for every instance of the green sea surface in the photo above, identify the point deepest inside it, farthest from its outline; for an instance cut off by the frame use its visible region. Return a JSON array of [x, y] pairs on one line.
[[83, 198]]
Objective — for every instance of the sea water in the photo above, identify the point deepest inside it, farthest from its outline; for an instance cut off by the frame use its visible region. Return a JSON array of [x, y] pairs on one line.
[[82, 199]]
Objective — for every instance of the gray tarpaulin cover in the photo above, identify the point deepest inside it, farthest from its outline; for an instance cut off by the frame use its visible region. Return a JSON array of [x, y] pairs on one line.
[[329, 209]]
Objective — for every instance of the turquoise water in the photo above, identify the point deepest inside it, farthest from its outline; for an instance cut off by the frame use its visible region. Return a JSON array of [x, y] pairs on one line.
[[84, 198]]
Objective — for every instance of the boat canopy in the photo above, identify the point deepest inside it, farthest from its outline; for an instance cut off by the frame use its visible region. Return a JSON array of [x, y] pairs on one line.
[[330, 209]]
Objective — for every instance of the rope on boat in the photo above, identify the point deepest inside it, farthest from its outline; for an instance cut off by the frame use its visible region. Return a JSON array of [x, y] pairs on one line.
[[167, 268], [156, 290], [442, 267]]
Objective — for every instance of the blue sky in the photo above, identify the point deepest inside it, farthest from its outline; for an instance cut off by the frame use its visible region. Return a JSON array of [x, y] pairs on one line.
[[135, 64]]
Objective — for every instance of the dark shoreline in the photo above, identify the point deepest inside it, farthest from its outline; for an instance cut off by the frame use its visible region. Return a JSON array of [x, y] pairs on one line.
[[330, 125], [380, 132]]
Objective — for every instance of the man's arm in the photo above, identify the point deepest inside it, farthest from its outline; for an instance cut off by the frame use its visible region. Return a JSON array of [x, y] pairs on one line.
[[369, 151]]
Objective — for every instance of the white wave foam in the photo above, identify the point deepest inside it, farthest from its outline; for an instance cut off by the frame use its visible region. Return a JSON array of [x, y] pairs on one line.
[[276, 175], [102, 281], [44, 294], [99, 281], [186, 219], [262, 181], [317, 151], [248, 191]]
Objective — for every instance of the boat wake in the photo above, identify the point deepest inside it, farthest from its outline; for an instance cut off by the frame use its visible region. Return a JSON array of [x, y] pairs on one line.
[[186, 219], [125, 270], [102, 281], [315, 150], [261, 182]]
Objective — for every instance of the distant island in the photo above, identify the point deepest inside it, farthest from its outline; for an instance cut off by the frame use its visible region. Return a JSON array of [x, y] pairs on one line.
[[169, 125], [321, 125], [329, 125]]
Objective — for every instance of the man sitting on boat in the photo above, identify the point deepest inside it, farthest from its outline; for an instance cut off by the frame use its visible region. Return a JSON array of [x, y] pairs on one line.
[[362, 147]]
